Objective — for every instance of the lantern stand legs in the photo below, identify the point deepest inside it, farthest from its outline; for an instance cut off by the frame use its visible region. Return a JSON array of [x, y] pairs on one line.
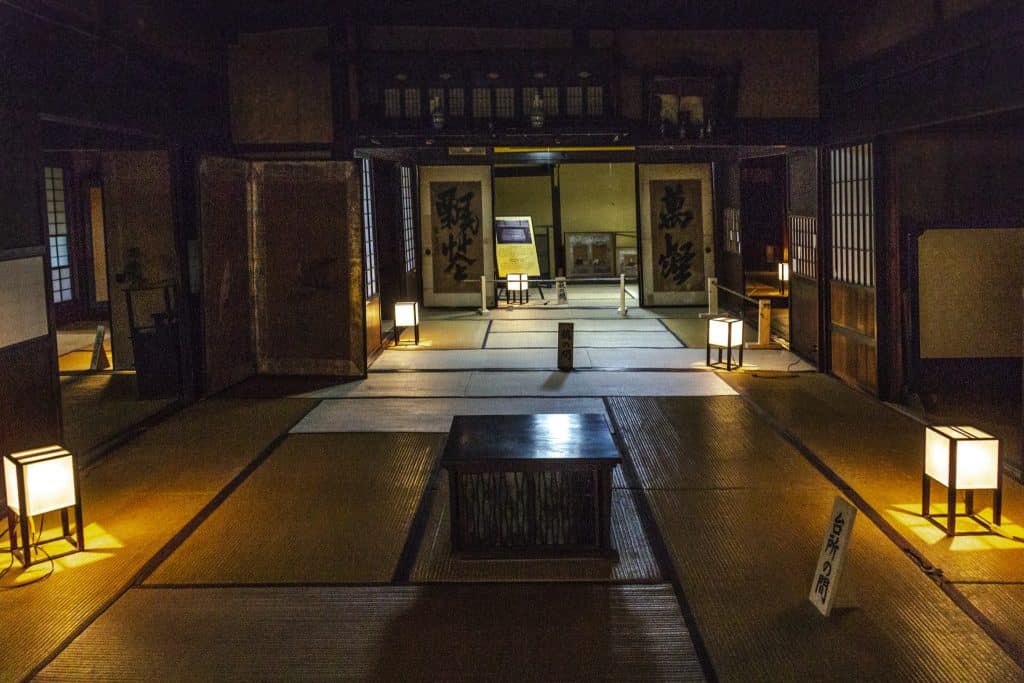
[[728, 358], [19, 531], [951, 515], [400, 330]]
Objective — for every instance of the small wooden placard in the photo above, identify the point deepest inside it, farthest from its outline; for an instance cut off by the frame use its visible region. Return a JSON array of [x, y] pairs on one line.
[[99, 355], [832, 558], [565, 346]]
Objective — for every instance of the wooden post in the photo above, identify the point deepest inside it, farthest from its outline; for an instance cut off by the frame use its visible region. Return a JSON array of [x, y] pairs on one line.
[[622, 294], [712, 297], [483, 295], [764, 322]]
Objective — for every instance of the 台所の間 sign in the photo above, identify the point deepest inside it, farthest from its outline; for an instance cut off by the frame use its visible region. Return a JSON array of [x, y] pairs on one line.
[[832, 558]]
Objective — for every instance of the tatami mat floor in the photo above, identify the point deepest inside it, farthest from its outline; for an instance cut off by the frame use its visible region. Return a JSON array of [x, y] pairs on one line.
[[135, 501], [323, 508], [308, 537], [428, 414], [493, 632], [406, 359], [742, 513], [528, 384]]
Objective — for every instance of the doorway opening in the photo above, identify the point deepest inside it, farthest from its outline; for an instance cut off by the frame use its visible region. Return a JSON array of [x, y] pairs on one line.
[[114, 286], [765, 237]]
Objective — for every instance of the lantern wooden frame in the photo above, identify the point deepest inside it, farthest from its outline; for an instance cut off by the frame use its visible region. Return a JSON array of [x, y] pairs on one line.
[[402, 321], [733, 339], [942, 463], [20, 471]]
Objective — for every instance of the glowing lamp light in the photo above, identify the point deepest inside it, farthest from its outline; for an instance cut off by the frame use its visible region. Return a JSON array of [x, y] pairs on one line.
[[725, 333], [38, 481], [407, 314], [783, 276], [961, 458], [518, 283]]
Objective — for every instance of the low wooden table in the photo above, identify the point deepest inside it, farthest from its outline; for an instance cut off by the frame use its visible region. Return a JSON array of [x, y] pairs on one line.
[[525, 485]]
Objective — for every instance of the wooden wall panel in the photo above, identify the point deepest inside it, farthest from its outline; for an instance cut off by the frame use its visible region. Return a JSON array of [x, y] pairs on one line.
[[854, 349], [281, 88], [802, 182], [307, 257], [29, 391], [854, 360], [21, 175], [803, 317], [952, 71], [373, 328], [390, 256], [139, 215], [29, 395], [230, 354], [804, 302], [853, 307]]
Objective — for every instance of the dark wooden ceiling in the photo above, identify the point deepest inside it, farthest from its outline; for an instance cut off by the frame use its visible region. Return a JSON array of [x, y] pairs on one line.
[[592, 14]]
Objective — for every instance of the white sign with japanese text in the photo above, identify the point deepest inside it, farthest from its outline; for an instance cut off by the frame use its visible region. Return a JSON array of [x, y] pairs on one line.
[[833, 556]]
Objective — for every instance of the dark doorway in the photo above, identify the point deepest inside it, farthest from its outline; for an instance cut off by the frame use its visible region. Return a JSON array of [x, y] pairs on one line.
[[765, 236]]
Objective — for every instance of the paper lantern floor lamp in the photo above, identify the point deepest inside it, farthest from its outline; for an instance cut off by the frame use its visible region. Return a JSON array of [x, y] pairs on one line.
[[518, 286], [725, 333], [407, 314], [961, 459], [39, 481], [783, 276]]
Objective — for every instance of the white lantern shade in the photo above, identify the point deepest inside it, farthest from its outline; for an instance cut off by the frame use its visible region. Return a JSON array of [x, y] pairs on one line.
[[49, 476], [518, 282], [725, 332], [784, 271], [977, 457], [407, 313]]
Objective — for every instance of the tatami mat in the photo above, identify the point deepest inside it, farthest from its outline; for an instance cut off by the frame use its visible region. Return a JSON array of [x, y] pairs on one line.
[[768, 360], [597, 384], [134, 501], [744, 543], [745, 558], [614, 325], [447, 334], [428, 414], [607, 311], [98, 406], [614, 339], [1003, 604], [322, 508], [388, 633], [583, 358], [399, 384], [528, 383], [713, 442], [636, 560], [490, 359], [879, 452]]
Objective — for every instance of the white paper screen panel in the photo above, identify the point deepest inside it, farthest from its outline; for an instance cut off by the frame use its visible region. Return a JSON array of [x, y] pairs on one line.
[[22, 301]]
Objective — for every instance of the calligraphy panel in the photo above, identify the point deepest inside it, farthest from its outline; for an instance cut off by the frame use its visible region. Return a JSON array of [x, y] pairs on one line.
[[677, 235], [456, 220]]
